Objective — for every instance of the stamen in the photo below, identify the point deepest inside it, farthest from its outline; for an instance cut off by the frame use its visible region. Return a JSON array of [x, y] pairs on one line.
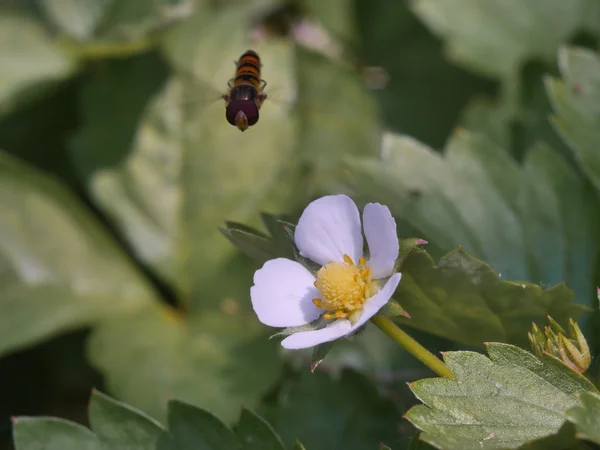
[[344, 287]]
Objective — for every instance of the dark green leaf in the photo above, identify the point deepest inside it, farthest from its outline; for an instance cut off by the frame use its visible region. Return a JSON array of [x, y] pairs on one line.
[[59, 268], [586, 416], [192, 428], [330, 414], [43, 433], [463, 299], [120, 426], [254, 433], [505, 401]]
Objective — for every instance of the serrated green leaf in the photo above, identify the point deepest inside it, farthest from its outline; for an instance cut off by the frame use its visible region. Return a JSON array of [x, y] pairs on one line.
[[330, 130], [256, 244], [192, 428], [575, 99], [120, 426], [54, 271], [30, 62], [44, 433], [485, 36], [254, 433], [323, 413], [216, 360], [586, 416], [463, 299], [504, 401]]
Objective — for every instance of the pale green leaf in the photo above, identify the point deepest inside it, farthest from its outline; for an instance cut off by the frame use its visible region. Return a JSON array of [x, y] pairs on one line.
[[54, 271], [504, 401], [337, 117], [494, 37], [586, 416], [77, 18], [188, 169], [30, 61], [475, 195], [576, 100]]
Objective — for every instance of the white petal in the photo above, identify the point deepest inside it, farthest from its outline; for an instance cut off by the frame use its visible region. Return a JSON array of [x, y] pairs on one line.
[[380, 230], [342, 327], [329, 228], [306, 339], [378, 301], [282, 294]]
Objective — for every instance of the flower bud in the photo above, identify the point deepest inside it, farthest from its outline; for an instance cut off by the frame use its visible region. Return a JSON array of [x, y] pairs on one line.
[[572, 350]]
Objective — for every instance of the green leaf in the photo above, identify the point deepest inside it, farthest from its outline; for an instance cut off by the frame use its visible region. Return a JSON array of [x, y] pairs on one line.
[[416, 73], [55, 260], [120, 426], [259, 246], [586, 416], [91, 147], [77, 18], [337, 115], [215, 360], [254, 433], [463, 299], [105, 28], [475, 195], [117, 425], [337, 16], [30, 62], [46, 433], [485, 36], [575, 99], [562, 209], [504, 401], [194, 428], [325, 413]]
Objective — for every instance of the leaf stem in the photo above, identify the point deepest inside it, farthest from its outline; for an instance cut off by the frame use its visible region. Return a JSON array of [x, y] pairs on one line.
[[412, 346]]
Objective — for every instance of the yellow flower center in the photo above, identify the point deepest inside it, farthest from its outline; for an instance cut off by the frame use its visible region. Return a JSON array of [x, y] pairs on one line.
[[344, 288]]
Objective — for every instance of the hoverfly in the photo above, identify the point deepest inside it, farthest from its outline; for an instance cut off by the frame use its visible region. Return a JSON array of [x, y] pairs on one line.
[[245, 96]]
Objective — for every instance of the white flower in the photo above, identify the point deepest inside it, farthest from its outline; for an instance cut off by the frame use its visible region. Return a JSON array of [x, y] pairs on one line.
[[345, 290]]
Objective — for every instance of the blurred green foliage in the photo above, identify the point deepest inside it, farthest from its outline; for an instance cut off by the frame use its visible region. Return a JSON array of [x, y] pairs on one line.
[[118, 168]]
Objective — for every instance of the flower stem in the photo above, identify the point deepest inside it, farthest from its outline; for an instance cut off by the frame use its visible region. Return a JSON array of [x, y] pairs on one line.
[[412, 346]]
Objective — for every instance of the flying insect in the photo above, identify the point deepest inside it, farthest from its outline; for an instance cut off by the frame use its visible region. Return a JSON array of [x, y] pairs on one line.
[[245, 96]]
